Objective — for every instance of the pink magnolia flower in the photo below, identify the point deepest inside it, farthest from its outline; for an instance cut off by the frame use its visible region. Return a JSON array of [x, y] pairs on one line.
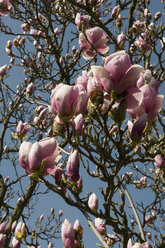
[[123, 75], [92, 85], [100, 226], [83, 80], [30, 89], [31, 155], [82, 99], [93, 42], [78, 124], [82, 20], [5, 7], [144, 101], [72, 167], [121, 39], [2, 239], [63, 100], [68, 234], [20, 231], [159, 161], [145, 77], [58, 174], [3, 227], [3, 70], [115, 11], [15, 243], [5, 149], [138, 128], [93, 202], [138, 245], [146, 245], [78, 228], [22, 128], [111, 239]]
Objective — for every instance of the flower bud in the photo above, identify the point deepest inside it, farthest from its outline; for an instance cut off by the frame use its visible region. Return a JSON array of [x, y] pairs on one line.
[[72, 167], [58, 175], [78, 228], [13, 226], [157, 16], [100, 226], [68, 234], [52, 210], [60, 213], [78, 124], [159, 161], [93, 202], [2, 239], [41, 217], [3, 70], [15, 243], [20, 231], [115, 11], [22, 128], [3, 227], [121, 39], [30, 89], [5, 149]]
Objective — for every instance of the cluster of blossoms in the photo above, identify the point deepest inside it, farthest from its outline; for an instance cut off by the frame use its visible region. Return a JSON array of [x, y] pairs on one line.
[[149, 219], [114, 88], [18, 231], [142, 183], [71, 235], [135, 88]]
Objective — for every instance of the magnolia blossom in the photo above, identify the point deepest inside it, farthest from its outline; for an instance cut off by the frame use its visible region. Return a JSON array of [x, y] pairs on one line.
[[3, 227], [101, 77], [72, 167], [63, 100], [78, 228], [82, 99], [121, 39], [30, 88], [83, 80], [123, 75], [93, 42], [2, 239], [3, 70], [82, 20], [15, 243], [58, 174], [145, 77], [5, 7], [159, 161], [93, 202], [100, 226], [68, 234], [20, 230], [31, 155], [78, 124], [144, 100], [138, 245], [22, 128]]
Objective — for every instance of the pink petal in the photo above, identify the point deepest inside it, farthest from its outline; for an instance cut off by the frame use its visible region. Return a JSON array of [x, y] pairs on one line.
[[130, 78]]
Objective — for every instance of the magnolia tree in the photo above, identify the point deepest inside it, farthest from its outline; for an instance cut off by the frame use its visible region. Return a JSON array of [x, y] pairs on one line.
[[82, 117]]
